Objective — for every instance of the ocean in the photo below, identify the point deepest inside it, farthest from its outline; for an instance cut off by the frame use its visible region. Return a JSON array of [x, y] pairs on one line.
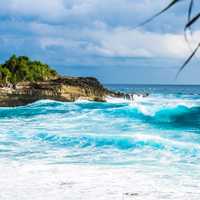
[[145, 148]]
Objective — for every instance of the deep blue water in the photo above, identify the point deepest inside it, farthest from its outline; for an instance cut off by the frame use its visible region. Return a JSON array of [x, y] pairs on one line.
[[162, 129], [158, 89]]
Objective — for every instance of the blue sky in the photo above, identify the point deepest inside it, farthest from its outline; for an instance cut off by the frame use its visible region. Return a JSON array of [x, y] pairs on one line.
[[97, 38]]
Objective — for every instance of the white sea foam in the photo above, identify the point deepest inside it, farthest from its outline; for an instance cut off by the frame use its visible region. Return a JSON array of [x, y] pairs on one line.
[[82, 101], [152, 104], [61, 182], [110, 99]]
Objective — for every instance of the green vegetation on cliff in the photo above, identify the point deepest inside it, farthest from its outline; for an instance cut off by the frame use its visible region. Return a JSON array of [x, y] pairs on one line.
[[21, 68]]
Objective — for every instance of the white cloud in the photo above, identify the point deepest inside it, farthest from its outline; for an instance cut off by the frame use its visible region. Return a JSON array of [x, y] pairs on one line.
[[43, 9], [94, 27], [115, 42], [132, 43], [117, 12]]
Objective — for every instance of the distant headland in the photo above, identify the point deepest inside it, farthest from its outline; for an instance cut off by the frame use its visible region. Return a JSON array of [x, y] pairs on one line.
[[23, 81]]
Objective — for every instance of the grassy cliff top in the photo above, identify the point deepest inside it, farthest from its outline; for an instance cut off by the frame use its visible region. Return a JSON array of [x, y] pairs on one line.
[[17, 69]]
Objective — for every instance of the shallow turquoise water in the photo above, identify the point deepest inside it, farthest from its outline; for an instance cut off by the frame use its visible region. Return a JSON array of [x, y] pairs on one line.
[[160, 130]]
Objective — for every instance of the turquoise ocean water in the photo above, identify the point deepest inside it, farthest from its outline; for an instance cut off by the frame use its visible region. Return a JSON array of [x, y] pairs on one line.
[[161, 130]]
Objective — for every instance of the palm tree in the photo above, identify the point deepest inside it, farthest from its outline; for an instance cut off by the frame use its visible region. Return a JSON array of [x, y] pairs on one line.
[[191, 20]]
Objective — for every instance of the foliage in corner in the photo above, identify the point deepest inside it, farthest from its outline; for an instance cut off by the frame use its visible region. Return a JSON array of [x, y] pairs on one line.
[[191, 20]]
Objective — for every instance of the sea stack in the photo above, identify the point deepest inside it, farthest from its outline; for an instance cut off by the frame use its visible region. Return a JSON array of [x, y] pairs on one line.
[[23, 81]]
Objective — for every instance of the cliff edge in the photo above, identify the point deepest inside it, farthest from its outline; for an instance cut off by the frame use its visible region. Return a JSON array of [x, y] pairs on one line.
[[62, 89]]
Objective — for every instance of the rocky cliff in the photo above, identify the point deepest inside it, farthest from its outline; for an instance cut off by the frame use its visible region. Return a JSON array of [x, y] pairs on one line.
[[61, 89]]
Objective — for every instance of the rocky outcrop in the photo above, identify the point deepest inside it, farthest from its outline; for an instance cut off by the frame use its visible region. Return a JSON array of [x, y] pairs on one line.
[[61, 89]]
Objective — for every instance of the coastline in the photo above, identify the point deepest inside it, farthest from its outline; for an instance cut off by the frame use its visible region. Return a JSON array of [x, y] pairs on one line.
[[64, 89]]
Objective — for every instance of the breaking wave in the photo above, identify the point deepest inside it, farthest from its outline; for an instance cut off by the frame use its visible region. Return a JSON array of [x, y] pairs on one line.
[[152, 124]]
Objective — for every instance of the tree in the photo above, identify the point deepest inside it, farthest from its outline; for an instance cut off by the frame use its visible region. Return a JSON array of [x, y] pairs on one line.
[[5, 75], [21, 68]]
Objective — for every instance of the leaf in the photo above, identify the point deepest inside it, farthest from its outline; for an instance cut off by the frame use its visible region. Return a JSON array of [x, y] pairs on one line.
[[188, 60], [190, 10], [159, 13], [188, 19], [192, 21]]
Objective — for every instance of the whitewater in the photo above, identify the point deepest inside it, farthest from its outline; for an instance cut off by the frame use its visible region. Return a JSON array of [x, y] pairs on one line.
[[143, 148]]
